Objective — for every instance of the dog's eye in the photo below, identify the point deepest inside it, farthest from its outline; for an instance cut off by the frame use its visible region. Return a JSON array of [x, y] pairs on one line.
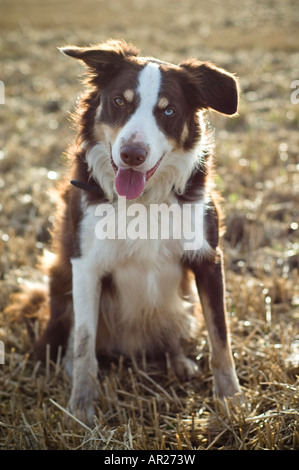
[[119, 101], [169, 112]]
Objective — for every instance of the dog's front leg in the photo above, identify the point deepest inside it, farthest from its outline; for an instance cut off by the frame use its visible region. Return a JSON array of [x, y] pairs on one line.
[[210, 284], [86, 297]]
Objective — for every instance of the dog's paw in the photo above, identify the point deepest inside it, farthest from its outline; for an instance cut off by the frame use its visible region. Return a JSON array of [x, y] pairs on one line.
[[81, 404], [226, 383], [184, 368], [83, 411]]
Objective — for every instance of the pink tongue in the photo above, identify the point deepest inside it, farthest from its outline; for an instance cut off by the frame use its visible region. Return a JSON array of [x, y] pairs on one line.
[[129, 183]]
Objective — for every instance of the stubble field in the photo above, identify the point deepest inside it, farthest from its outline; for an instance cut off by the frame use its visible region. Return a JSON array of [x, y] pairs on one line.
[[142, 406]]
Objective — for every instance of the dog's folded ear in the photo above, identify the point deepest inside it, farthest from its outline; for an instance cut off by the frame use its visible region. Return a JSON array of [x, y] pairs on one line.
[[212, 87], [102, 55]]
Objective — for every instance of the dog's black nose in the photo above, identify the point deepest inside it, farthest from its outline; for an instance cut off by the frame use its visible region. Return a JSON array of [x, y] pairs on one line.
[[133, 155]]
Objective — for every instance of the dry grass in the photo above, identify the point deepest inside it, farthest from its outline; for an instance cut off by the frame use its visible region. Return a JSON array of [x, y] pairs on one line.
[[141, 408], [143, 405]]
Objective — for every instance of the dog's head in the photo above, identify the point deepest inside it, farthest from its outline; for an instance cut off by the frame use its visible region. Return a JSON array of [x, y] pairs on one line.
[[145, 114]]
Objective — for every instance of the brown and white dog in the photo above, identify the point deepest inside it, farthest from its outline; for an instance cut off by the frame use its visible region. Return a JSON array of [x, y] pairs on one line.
[[141, 141]]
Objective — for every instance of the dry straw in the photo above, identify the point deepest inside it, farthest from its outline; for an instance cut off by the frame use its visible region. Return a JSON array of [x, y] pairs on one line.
[[143, 408]]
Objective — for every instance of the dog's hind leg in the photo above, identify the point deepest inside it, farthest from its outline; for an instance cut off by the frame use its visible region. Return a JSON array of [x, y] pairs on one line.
[[58, 329]]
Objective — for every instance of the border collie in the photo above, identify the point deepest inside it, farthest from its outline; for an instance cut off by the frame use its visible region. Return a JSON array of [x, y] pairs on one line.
[[141, 141]]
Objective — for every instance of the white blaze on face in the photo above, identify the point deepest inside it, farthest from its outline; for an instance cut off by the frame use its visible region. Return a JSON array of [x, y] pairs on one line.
[[141, 129]]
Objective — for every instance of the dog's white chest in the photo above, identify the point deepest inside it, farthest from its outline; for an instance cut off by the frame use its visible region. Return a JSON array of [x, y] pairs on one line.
[[146, 277]]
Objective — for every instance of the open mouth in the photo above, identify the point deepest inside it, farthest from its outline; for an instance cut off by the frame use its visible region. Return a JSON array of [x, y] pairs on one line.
[[129, 182]]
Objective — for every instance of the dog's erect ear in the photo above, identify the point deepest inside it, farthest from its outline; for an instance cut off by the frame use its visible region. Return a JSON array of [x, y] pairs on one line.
[[100, 56], [212, 87]]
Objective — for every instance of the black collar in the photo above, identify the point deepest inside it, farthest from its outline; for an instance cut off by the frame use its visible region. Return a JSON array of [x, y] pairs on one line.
[[88, 187]]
